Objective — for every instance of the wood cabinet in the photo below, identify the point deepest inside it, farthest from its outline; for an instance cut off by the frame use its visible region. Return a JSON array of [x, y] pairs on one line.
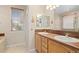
[[38, 42], [46, 45], [55, 47]]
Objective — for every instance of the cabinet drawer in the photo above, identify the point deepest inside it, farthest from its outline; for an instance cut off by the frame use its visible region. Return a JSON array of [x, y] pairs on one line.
[[44, 50], [44, 40]]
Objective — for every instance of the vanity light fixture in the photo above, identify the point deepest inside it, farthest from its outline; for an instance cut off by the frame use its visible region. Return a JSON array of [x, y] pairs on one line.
[[51, 7]]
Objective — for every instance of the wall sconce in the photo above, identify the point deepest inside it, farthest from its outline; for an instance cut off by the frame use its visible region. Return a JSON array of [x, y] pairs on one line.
[[33, 19]]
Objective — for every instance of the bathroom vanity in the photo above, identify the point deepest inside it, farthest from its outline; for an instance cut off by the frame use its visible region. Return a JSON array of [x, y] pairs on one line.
[[49, 43]]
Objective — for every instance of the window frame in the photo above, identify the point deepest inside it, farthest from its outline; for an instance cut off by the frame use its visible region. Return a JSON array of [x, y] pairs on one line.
[[11, 18]]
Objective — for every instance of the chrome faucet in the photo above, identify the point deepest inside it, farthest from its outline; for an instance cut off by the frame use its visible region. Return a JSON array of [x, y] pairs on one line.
[[67, 34]]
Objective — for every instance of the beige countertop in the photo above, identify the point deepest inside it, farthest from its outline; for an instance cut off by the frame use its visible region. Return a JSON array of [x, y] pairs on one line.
[[51, 36]]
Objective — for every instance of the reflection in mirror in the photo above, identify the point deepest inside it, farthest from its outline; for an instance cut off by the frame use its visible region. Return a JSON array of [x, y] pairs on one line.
[[42, 21], [69, 22], [69, 15], [77, 22]]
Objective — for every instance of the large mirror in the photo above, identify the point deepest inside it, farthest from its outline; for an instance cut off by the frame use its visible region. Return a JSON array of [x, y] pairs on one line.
[[68, 22], [69, 17], [42, 21]]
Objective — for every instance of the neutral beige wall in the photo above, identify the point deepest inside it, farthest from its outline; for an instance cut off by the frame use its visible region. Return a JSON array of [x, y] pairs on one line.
[[4, 19], [57, 22], [34, 10]]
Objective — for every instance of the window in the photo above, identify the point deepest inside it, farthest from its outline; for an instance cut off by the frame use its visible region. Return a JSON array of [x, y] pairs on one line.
[[17, 19]]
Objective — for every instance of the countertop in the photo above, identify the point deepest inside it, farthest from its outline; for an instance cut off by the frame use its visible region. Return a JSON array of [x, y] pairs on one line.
[[2, 34], [51, 36]]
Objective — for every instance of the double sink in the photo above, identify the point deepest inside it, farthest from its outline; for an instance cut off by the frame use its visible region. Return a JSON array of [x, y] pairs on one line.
[[63, 38], [66, 39]]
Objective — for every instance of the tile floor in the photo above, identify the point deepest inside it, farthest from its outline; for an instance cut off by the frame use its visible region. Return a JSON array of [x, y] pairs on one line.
[[15, 50], [18, 49]]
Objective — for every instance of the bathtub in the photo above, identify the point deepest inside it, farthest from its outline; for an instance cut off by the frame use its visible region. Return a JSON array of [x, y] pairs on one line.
[[2, 44]]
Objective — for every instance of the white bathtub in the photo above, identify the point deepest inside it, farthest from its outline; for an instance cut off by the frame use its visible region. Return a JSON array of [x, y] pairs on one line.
[[2, 44]]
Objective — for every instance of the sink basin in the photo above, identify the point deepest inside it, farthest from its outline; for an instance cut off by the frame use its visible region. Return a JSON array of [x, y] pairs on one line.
[[66, 39]]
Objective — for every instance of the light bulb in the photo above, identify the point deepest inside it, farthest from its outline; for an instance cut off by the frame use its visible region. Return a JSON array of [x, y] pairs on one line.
[[39, 15], [51, 7]]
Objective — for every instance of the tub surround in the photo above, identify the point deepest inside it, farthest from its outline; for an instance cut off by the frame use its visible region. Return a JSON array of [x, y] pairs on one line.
[[61, 47]]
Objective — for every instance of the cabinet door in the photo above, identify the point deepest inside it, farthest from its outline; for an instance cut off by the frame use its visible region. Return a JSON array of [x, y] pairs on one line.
[[38, 43], [44, 45], [55, 47], [44, 50]]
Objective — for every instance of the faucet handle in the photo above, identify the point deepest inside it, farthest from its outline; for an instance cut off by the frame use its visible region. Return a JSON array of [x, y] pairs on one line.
[[67, 34]]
